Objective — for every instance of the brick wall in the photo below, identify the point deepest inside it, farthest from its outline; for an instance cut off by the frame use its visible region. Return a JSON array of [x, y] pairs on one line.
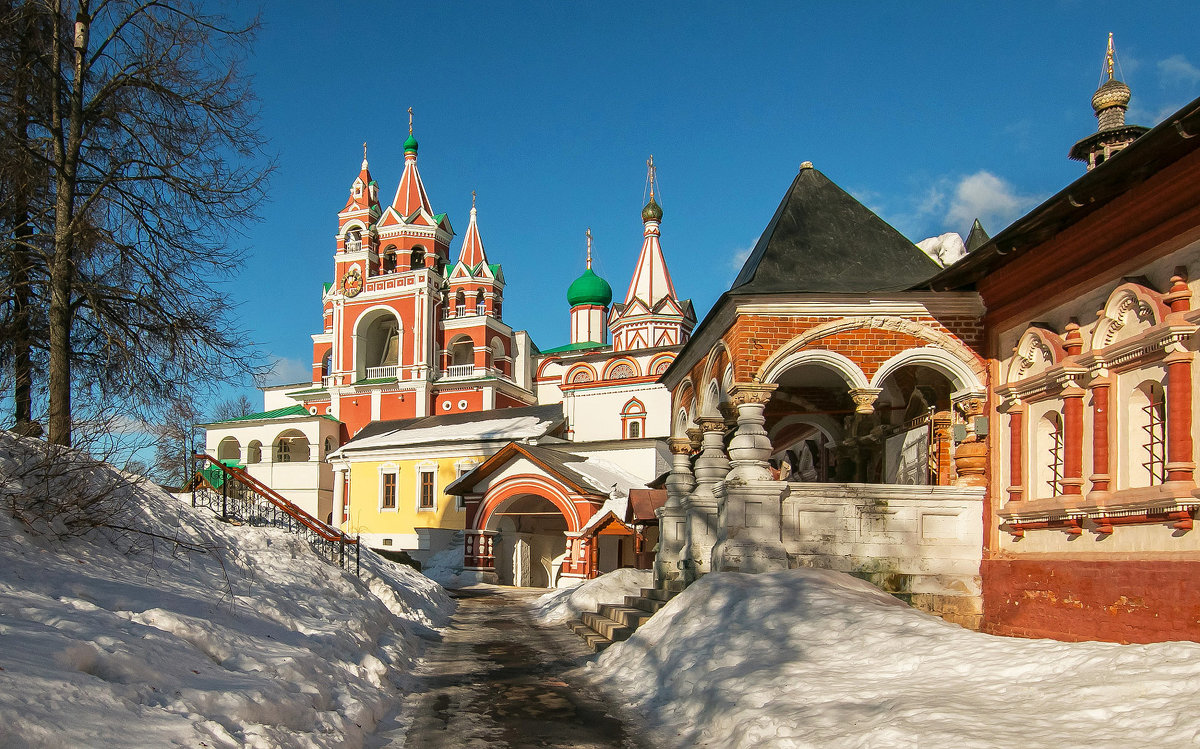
[[1065, 598], [754, 338]]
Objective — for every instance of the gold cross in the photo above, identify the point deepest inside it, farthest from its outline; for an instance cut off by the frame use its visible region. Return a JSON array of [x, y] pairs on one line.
[[650, 173], [410, 120], [589, 248], [472, 200]]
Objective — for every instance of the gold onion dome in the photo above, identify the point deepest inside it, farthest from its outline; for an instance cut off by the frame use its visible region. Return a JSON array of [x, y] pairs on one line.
[[652, 211], [1112, 93]]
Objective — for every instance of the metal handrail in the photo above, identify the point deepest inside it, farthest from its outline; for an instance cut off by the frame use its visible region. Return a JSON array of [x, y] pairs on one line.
[[325, 535]]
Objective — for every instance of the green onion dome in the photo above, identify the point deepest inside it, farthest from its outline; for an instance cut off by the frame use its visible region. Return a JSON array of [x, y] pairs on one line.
[[652, 211], [410, 144], [589, 289]]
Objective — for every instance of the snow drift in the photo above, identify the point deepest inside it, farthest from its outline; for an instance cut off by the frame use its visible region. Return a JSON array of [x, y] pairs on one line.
[[190, 632], [812, 658], [565, 604]]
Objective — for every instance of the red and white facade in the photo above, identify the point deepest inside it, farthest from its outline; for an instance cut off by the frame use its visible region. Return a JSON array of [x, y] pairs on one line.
[[407, 330]]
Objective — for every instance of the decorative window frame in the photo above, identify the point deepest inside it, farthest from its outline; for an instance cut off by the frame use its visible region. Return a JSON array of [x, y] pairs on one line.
[[426, 468], [388, 469], [633, 412], [612, 366], [462, 468], [573, 372]]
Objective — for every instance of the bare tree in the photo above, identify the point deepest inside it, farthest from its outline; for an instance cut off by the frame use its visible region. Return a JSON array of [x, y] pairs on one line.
[[147, 136], [233, 408]]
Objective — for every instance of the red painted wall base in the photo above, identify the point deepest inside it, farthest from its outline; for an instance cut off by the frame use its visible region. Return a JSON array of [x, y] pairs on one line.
[[1142, 600]]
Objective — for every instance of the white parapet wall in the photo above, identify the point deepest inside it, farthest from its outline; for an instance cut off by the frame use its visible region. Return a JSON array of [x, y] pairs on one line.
[[920, 543]]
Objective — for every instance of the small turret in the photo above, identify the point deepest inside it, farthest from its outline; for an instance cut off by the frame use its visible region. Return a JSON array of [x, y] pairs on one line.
[[1109, 103], [589, 297]]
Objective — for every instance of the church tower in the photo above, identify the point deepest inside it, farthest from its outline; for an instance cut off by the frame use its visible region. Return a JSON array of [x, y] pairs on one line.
[[651, 315], [1110, 103], [403, 328], [589, 297]]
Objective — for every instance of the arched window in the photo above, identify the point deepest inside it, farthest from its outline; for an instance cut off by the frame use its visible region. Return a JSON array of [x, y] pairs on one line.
[[353, 241], [633, 420], [389, 259], [1048, 453], [479, 306], [229, 449], [1147, 436], [329, 445], [254, 452], [327, 364], [417, 258], [291, 447]]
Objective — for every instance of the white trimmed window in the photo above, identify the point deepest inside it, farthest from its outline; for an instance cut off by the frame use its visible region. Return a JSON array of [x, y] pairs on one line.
[[389, 487], [461, 469], [427, 488]]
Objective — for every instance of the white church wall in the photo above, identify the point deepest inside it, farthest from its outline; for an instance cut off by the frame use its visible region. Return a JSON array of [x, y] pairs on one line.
[[595, 414]]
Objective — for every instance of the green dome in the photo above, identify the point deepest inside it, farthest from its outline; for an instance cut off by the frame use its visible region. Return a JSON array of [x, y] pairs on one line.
[[410, 144], [589, 289], [652, 211]]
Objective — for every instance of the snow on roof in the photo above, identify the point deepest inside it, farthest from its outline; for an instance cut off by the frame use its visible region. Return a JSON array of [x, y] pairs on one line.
[[494, 425]]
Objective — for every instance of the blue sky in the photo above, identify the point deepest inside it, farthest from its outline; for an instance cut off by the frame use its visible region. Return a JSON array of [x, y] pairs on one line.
[[930, 113]]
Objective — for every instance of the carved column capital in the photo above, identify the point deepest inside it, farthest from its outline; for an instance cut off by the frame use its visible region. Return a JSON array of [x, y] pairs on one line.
[[694, 436], [972, 405], [751, 392], [864, 399], [711, 424], [680, 445]]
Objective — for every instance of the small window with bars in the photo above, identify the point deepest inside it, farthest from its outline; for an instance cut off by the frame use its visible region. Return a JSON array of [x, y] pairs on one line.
[[1154, 437]]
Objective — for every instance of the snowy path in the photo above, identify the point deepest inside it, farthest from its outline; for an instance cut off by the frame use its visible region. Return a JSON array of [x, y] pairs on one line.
[[496, 681]]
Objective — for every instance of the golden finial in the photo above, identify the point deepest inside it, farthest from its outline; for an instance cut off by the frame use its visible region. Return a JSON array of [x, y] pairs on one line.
[[650, 174], [1109, 56], [364, 150], [472, 200], [410, 120], [589, 248]]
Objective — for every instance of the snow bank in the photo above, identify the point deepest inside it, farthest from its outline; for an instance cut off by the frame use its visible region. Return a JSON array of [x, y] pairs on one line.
[[564, 604], [446, 567], [235, 636], [811, 658]]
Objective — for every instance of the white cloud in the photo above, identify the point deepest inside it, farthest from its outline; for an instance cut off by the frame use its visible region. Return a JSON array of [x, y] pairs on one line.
[[285, 371], [1176, 68], [986, 197], [738, 257]]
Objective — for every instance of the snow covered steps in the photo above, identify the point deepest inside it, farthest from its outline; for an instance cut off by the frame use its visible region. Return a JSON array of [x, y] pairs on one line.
[[616, 622]]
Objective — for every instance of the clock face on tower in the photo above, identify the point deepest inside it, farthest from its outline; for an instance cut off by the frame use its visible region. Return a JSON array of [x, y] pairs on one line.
[[352, 282]]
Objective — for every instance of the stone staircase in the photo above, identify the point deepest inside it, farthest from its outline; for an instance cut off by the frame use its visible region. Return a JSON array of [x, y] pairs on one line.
[[616, 622]]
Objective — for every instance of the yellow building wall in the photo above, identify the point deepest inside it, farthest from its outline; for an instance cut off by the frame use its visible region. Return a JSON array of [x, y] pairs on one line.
[[365, 494]]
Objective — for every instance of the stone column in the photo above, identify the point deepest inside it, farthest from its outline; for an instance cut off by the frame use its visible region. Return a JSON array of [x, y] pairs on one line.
[[942, 439], [1072, 398], [1180, 464], [864, 399], [751, 447], [701, 504], [750, 501], [339, 496], [672, 518], [1100, 387], [970, 459], [1016, 457]]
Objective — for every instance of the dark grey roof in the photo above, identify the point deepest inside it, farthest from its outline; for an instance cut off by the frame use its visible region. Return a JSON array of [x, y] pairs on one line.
[[552, 412], [977, 238], [823, 240]]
